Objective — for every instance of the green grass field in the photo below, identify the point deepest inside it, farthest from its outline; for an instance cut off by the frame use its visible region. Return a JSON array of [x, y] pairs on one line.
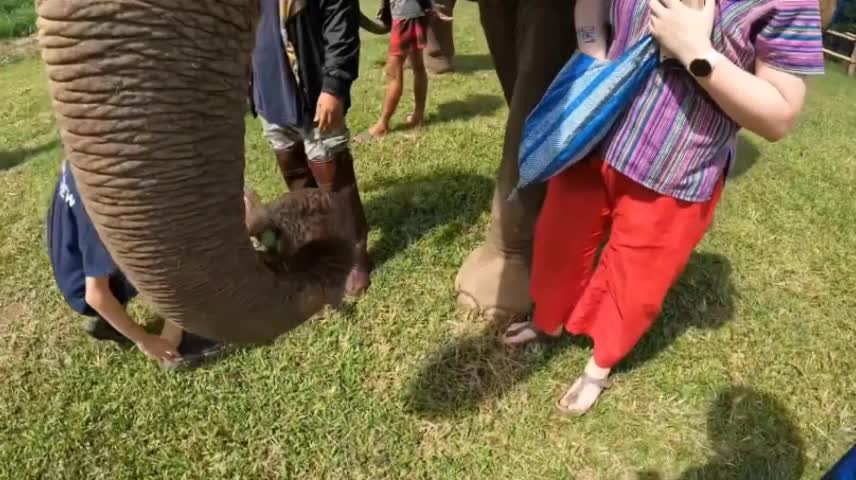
[[17, 18], [749, 373]]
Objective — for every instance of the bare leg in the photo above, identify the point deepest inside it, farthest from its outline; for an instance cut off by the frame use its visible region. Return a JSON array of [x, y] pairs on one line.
[[420, 88], [394, 74]]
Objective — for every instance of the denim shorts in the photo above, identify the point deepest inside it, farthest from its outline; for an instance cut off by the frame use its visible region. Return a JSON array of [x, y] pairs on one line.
[[318, 145]]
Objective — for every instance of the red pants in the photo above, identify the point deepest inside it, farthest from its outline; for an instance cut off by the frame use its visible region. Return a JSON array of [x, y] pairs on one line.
[[651, 238]]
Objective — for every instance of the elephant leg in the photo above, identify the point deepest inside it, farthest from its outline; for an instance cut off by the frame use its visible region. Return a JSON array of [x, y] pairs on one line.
[[499, 20], [530, 42], [334, 172], [439, 51]]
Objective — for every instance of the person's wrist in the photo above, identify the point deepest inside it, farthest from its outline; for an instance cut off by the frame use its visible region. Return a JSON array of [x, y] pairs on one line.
[[139, 337], [701, 50]]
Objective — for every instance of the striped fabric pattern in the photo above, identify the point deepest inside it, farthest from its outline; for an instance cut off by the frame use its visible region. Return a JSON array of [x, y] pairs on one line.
[[579, 108], [673, 138]]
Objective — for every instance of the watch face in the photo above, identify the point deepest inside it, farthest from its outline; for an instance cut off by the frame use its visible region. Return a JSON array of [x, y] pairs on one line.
[[700, 67]]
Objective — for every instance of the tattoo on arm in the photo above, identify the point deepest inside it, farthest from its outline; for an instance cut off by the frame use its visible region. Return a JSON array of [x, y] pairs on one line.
[[587, 34]]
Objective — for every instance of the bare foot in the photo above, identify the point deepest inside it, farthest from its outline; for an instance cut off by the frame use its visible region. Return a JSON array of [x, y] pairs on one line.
[[414, 120]]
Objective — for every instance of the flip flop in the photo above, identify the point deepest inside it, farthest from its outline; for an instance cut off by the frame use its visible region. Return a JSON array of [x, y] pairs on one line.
[[573, 394], [538, 335]]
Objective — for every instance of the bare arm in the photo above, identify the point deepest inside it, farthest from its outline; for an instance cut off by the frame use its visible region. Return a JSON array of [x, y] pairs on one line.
[[766, 103], [591, 19], [102, 300]]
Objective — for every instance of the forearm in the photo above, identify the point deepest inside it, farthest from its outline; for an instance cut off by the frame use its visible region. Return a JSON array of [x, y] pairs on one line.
[[751, 101], [106, 305], [591, 18], [114, 313]]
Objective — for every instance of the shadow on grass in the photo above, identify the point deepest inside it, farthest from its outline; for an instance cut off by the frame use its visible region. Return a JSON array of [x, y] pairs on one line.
[[747, 156], [472, 63], [16, 157], [410, 207], [703, 298], [472, 370], [752, 436], [472, 106]]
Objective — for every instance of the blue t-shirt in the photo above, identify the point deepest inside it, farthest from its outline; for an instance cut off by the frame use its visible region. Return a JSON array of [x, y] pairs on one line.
[[845, 468], [75, 250]]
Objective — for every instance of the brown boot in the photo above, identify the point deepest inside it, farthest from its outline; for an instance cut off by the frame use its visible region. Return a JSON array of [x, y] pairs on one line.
[[295, 170], [336, 175]]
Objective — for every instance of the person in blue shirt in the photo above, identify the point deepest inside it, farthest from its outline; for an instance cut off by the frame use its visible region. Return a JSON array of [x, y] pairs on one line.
[[93, 285], [845, 468]]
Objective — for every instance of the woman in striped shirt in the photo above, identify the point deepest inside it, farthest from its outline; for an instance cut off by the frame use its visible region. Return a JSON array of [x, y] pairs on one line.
[[654, 183]]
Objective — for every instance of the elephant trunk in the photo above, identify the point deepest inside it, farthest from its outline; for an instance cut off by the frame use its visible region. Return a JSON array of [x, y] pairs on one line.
[[150, 98]]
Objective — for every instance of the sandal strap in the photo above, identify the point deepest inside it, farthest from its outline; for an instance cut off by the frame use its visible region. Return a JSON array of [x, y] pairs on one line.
[[603, 383], [529, 327]]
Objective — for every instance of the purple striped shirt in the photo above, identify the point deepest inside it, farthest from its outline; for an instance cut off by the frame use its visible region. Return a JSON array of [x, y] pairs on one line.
[[674, 139]]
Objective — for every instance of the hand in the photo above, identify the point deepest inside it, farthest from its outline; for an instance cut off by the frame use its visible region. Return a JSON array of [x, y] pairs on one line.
[[329, 113], [433, 12], [682, 30], [158, 349]]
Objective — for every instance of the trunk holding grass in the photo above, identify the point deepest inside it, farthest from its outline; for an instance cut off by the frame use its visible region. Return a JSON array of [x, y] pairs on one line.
[[149, 96]]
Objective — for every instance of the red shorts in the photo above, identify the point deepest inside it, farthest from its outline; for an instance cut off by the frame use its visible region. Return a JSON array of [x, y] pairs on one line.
[[407, 34]]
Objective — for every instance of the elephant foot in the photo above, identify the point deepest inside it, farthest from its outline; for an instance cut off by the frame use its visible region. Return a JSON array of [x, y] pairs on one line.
[[438, 65], [494, 285]]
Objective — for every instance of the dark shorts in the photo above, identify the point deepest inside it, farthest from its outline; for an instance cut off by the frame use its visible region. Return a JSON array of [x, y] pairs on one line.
[[407, 34]]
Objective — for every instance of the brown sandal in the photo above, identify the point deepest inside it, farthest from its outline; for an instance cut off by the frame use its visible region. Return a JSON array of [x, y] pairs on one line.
[[573, 394], [538, 335]]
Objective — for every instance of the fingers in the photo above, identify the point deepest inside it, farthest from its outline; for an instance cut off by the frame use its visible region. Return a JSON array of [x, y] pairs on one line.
[[323, 120], [657, 8]]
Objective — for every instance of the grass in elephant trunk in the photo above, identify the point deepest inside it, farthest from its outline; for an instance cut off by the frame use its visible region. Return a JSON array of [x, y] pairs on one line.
[[749, 373]]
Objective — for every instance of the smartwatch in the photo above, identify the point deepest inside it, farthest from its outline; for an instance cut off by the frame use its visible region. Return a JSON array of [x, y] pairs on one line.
[[703, 67]]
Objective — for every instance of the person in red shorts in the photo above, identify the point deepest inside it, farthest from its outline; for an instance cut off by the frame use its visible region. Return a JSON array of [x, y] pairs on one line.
[[408, 38]]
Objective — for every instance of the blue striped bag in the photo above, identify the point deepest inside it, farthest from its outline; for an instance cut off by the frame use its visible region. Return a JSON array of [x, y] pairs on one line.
[[579, 108]]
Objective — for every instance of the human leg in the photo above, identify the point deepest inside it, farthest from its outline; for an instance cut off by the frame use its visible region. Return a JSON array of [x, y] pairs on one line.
[[420, 88], [651, 240], [287, 146], [563, 250], [394, 89]]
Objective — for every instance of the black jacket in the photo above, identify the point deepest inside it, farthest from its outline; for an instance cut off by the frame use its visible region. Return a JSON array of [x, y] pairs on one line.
[[327, 41]]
